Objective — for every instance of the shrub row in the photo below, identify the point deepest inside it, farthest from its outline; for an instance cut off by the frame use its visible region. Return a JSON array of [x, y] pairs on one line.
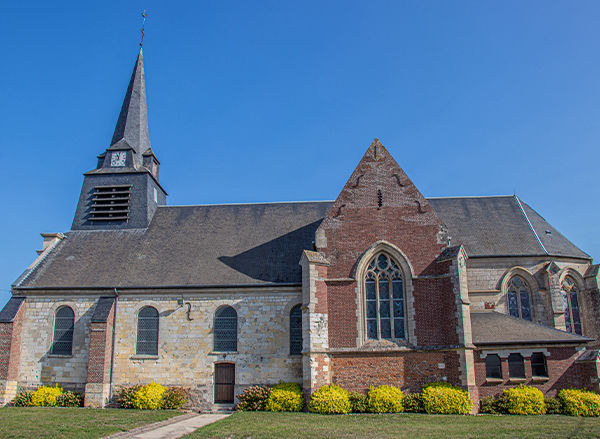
[[48, 396], [332, 399], [526, 400], [152, 396]]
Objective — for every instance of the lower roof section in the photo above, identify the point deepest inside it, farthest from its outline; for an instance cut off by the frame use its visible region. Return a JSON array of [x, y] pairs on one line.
[[494, 328]]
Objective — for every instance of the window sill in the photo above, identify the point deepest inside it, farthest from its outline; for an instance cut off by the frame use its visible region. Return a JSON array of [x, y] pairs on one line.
[[494, 380], [540, 379], [517, 380], [144, 357], [60, 356], [224, 353]]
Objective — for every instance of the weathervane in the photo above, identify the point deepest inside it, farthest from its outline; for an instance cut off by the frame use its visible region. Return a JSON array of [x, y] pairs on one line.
[[144, 15]]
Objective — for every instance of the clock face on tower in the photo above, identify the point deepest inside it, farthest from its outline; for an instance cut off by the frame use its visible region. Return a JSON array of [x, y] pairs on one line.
[[118, 158]]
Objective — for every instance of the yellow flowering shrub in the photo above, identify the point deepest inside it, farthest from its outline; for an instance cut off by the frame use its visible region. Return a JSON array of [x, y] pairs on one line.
[[446, 399], [149, 397], [524, 400], [385, 399], [577, 402], [290, 387], [331, 399], [46, 396], [281, 400]]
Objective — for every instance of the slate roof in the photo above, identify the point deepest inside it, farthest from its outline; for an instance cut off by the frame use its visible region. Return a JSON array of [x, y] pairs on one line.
[[11, 308], [189, 245], [251, 244], [132, 125], [496, 226], [494, 328]]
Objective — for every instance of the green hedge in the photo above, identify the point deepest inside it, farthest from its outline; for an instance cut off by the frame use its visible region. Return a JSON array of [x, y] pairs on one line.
[[359, 402], [285, 397]]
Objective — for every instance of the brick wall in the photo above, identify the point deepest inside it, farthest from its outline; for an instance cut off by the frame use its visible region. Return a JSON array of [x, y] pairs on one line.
[[10, 346], [100, 350], [407, 370], [563, 372]]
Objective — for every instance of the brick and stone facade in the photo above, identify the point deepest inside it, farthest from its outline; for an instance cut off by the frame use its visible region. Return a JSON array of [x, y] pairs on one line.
[[453, 261]]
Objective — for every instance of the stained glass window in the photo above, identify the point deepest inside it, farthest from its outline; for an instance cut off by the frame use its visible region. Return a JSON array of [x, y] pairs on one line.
[[571, 303], [64, 321], [296, 330], [147, 331], [225, 334], [519, 298], [384, 296]]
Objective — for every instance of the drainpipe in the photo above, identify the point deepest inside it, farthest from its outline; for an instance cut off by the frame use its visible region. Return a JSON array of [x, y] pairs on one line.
[[112, 353]]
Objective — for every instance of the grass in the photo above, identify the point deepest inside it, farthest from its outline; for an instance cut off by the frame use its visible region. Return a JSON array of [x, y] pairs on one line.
[[54, 422], [259, 425]]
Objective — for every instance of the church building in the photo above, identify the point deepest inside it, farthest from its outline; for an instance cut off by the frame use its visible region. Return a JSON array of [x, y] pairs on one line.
[[379, 286]]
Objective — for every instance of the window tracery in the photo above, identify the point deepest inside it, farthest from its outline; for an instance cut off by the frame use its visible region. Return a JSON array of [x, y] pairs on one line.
[[519, 298], [384, 296], [571, 303]]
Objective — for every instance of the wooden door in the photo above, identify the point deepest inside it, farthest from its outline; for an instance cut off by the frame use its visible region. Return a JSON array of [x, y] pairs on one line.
[[224, 383]]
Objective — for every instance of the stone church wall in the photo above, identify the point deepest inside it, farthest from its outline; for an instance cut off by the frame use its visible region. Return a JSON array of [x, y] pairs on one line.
[[37, 365], [485, 276], [185, 352]]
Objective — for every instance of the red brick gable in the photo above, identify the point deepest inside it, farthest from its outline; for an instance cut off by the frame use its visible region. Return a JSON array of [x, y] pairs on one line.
[[380, 203]]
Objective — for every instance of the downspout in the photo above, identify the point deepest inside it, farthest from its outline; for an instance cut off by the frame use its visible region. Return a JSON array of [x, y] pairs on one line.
[[112, 351]]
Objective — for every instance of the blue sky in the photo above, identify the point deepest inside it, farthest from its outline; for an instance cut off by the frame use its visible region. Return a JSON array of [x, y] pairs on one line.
[[278, 100]]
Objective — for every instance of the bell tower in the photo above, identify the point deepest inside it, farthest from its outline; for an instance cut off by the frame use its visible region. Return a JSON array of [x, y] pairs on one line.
[[123, 191]]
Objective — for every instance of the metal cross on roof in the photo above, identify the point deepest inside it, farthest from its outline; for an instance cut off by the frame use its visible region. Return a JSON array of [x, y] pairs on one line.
[[144, 15]]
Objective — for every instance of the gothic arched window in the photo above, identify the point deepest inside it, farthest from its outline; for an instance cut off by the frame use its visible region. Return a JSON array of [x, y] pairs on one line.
[[384, 295], [519, 298], [225, 333], [64, 322], [571, 303], [296, 330], [147, 331]]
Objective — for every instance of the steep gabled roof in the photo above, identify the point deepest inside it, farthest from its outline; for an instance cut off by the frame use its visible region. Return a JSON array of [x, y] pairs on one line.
[[189, 245], [260, 243], [494, 328]]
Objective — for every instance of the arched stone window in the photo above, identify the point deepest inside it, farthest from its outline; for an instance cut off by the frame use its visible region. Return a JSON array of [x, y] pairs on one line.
[[225, 332], [64, 322], [571, 303], [518, 296], [296, 330], [384, 296], [147, 331]]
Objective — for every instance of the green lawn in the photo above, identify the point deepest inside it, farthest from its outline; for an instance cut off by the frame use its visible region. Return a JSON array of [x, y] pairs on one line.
[[49, 422], [258, 425]]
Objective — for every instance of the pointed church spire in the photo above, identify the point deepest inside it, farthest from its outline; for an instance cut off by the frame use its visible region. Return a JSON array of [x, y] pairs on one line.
[[132, 125]]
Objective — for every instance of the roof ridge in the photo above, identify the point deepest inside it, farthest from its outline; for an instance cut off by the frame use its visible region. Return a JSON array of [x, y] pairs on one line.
[[470, 196], [537, 237], [246, 204]]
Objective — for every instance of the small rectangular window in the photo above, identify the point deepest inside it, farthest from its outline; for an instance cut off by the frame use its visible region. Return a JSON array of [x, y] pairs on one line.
[[516, 366], [493, 367], [539, 367]]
